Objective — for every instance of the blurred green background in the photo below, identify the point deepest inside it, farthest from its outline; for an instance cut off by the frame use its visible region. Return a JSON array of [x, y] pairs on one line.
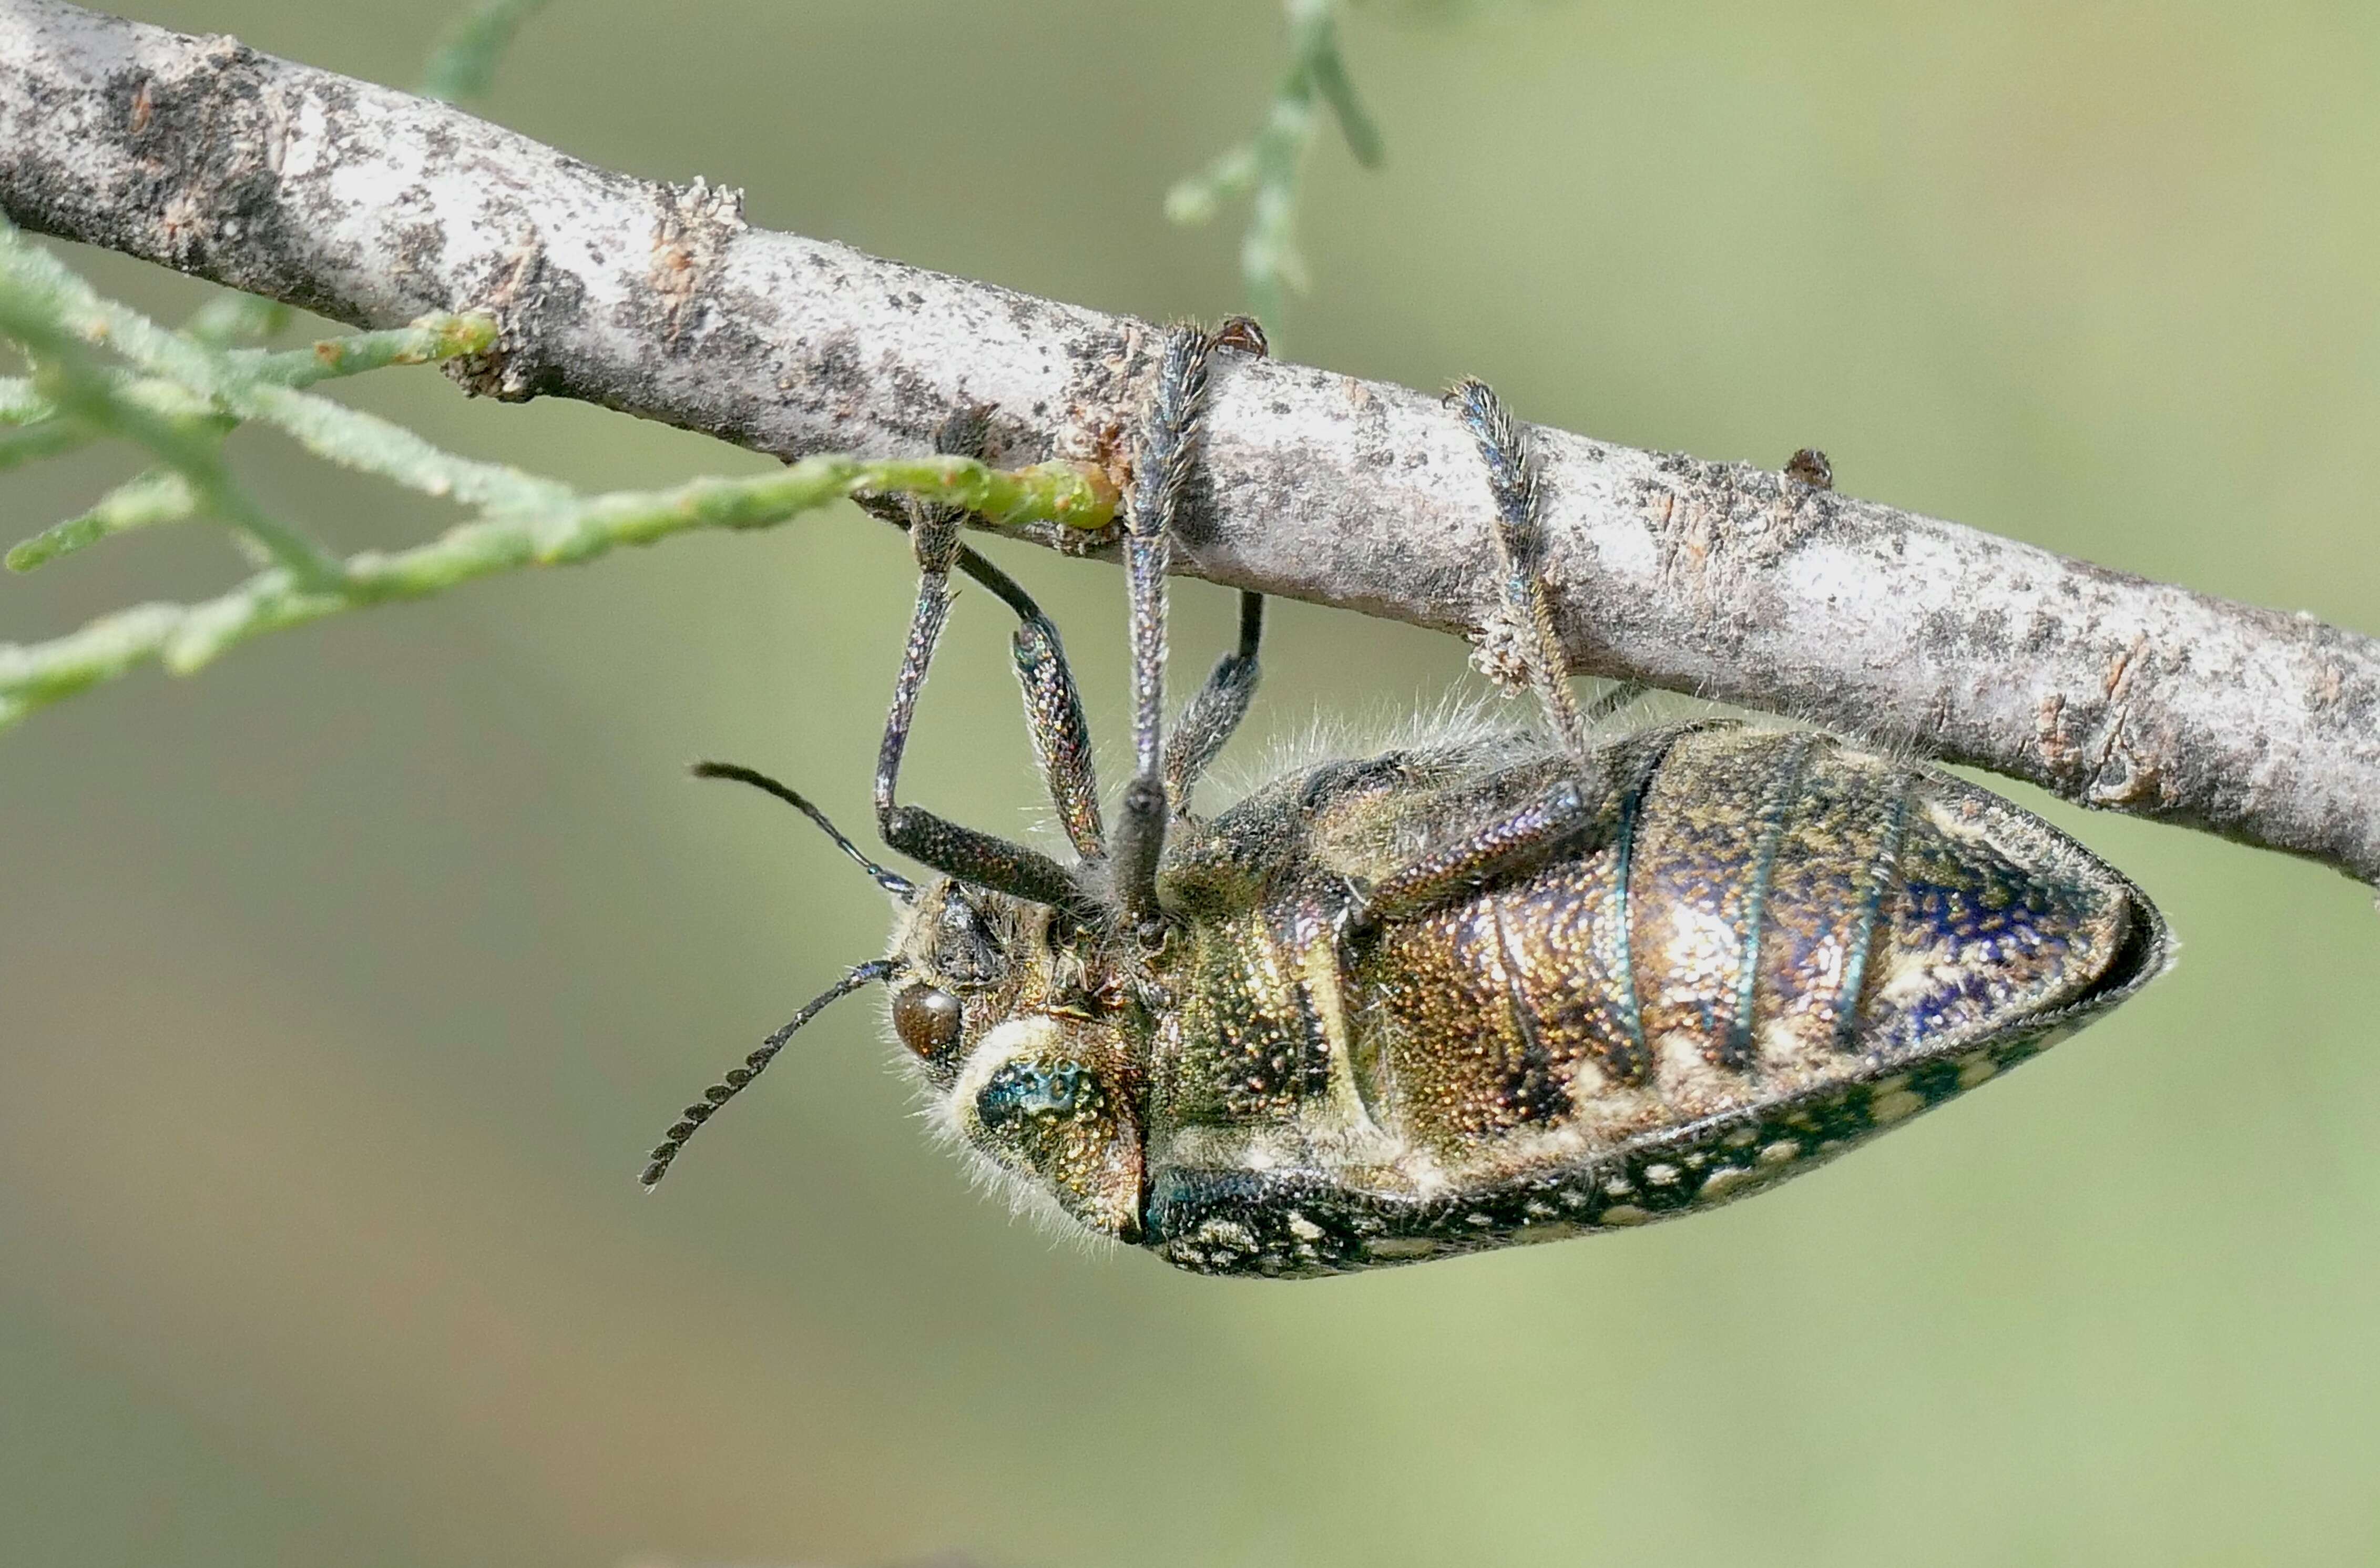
[[344, 985]]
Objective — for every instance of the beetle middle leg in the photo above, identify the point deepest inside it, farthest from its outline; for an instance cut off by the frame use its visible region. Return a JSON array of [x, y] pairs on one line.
[[1166, 454], [1216, 712], [1207, 725]]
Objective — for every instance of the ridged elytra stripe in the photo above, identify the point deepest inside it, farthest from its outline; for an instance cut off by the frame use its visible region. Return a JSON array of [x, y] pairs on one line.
[[1525, 1021], [1774, 808], [1313, 1074], [1880, 875], [1624, 859], [1535, 1060]]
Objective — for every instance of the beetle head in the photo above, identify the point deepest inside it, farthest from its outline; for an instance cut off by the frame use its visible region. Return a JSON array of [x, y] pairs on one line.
[[1030, 1064]]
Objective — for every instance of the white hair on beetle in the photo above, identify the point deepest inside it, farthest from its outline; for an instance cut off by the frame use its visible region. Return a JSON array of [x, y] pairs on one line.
[[1458, 719], [1464, 718], [939, 1112], [1023, 1197]]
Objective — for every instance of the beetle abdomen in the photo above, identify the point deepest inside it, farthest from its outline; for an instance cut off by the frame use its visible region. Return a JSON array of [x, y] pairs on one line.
[[1767, 948], [1769, 916]]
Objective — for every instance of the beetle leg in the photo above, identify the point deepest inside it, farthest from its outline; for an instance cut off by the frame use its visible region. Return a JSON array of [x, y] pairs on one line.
[[1510, 847], [957, 851], [1207, 725], [1613, 700], [1161, 467], [1053, 710], [1519, 540]]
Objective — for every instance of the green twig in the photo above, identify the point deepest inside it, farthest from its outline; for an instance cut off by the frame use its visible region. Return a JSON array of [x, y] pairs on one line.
[[185, 636], [161, 495], [463, 62], [329, 430], [20, 403], [425, 342], [48, 439], [429, 339], [1268, 168], [86, 396]]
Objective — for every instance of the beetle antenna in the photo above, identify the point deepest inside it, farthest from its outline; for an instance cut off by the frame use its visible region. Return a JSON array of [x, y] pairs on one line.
[[893, 882], [658, 1163]]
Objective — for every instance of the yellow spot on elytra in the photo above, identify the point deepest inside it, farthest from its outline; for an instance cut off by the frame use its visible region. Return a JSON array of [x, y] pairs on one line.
[[1724, 1180], [1401, 1246], [1887, 1108]]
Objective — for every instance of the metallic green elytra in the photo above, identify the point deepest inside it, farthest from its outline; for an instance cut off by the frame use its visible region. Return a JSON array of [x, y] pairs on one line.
[[1487, 988]]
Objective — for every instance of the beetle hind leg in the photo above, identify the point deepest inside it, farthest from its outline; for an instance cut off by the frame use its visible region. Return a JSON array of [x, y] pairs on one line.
[[1505, 849], [1520, 544]]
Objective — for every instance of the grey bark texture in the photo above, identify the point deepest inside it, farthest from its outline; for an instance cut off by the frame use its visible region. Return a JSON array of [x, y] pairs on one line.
[[372, 207]]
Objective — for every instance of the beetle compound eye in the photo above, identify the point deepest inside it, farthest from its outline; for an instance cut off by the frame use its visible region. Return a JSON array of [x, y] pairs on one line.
[[927, 1020]]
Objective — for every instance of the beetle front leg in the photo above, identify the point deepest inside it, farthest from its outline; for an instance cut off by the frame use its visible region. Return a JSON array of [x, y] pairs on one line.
[[1053, 710], [950, 848]]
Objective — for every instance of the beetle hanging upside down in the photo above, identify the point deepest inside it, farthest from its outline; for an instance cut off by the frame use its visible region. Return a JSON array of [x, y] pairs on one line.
[[1491, 988]]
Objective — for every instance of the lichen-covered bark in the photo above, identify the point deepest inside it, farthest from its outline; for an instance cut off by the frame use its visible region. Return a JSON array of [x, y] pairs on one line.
[[374, 207]]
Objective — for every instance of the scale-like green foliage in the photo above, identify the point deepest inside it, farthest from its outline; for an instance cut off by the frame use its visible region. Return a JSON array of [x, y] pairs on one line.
[[1267, 167], [463, 62]]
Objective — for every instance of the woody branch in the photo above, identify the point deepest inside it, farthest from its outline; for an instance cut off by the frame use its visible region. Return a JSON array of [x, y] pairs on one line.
[[375, 207]]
